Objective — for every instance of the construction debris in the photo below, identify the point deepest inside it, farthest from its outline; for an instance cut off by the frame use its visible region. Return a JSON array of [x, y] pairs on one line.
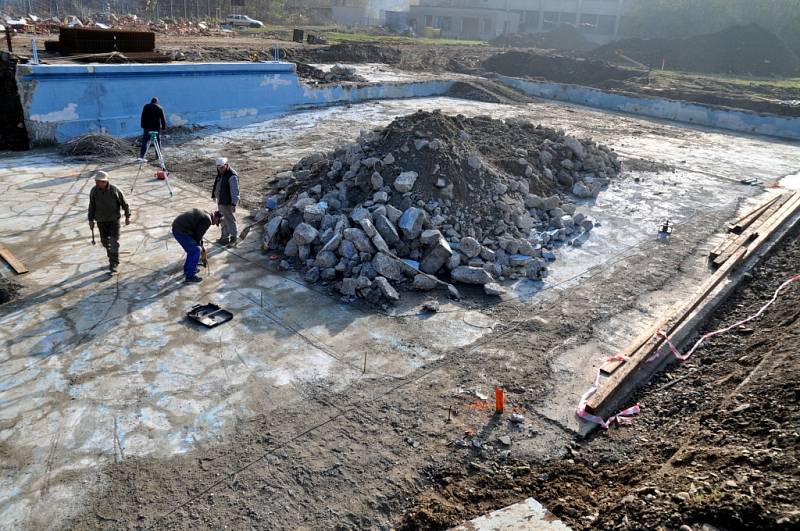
[[433, 199], [97, 146]]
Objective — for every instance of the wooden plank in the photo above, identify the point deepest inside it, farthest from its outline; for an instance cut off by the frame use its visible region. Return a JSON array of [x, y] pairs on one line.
[[788, 210], [12, 260], [746, 237], [719, 249], [640, 352], [745, 221], [734, 242]]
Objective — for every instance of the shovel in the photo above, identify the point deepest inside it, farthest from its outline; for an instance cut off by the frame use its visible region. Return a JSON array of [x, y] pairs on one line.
[[271, 205], [93, 242]]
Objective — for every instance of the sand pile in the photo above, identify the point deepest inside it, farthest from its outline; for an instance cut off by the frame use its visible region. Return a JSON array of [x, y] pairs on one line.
[[434, 199], [739, 50]]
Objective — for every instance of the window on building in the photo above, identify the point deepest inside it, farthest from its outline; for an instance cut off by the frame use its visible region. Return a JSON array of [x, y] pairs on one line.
[[531, 19], [567, 18], [605, 24], [447, 23], [588, 23], [550, 20], [488, 26], [428, 21]]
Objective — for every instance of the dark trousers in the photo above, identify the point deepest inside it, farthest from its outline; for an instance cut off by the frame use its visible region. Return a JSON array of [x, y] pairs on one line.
[[192, 253], [109, 237], [145, 143]]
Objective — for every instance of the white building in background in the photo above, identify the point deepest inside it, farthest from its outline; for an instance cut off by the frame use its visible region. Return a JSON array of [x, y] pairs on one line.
[[364, 13], [599, 20]]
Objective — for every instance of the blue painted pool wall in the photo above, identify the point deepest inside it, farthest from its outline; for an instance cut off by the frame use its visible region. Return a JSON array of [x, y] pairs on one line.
[[63, 101], [678, 111]]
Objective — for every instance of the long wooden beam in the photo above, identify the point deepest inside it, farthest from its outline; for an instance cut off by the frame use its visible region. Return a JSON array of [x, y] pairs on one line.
[[648, 343], [750, 234]]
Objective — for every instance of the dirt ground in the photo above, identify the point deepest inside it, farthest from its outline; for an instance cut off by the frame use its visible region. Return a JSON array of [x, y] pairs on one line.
[[384, 441], [715, 447]]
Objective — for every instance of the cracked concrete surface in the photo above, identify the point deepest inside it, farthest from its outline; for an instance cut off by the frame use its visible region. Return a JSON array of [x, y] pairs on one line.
[[95, 369]]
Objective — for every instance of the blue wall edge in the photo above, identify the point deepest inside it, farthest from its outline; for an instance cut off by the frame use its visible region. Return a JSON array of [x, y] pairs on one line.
[[63, 101], [674, 110]]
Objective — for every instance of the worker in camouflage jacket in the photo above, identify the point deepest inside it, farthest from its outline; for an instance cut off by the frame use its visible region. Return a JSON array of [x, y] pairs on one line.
[[105, 203]]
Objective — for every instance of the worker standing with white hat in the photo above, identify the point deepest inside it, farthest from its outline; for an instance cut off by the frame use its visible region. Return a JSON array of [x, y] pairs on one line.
[[226, 192], [105, 202]]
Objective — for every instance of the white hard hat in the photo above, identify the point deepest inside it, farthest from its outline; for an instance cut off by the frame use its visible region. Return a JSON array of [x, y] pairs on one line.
[[221, 161], [100, 176]]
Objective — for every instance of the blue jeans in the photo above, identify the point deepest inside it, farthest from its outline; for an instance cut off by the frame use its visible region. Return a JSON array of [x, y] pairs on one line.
[[145, 143], [192, 253]]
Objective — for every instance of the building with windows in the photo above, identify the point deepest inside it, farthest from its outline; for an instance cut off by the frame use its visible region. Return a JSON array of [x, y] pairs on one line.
[[599, 20]]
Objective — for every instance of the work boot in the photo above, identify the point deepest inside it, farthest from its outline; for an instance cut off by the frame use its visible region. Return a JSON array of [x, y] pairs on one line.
[[194, 280], [113, 268]]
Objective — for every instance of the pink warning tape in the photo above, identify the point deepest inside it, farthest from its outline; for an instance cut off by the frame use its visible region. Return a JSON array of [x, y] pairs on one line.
[[626, 415], [623, 417], [688, 354]]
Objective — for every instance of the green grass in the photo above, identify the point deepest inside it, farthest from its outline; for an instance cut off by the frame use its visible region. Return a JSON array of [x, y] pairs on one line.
[[337, 36]]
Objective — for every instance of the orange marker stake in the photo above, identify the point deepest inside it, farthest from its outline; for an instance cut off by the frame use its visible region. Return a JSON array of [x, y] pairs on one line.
[[499, 400]]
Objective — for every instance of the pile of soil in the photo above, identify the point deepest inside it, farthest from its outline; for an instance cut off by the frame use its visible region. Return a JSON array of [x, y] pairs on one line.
[[12, 127], [566, 37], [346, 52], [738, 50], [8, 290], [557, 68], [715, 446], [472, 200]]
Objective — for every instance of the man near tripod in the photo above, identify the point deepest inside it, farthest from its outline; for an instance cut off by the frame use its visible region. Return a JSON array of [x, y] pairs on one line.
[[153, 121]]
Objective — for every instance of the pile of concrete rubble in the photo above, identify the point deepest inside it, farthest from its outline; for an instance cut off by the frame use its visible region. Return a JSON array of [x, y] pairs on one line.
[[433, 200]]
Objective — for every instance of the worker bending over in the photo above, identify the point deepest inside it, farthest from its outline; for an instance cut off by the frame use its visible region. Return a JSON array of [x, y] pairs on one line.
[[189, 229]]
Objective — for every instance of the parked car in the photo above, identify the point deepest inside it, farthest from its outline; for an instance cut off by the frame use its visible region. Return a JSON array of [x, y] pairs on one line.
[[243, 21]]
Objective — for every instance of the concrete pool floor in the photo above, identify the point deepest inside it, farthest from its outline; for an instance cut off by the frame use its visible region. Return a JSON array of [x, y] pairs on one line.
[[97, 369]]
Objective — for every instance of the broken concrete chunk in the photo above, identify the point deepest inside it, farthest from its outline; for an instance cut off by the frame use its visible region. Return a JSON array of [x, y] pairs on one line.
[[367, 227], [379, 243], [493, 289], [424, 282], [474, 161], [471, 275], [575, 146], [349, 286], [313, 214], [436, 257], [325, 259], [393, 214], [386, 289], [429, 237], [388, 159], [376, 181], [360, 213], [380, 197], [411, 222], [387, 266], [405, 181], [469, 246], [359, 239], [386, 229], [304, 234]]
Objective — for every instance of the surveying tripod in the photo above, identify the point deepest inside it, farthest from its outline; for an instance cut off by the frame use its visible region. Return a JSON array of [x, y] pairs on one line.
[[157, 145]]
